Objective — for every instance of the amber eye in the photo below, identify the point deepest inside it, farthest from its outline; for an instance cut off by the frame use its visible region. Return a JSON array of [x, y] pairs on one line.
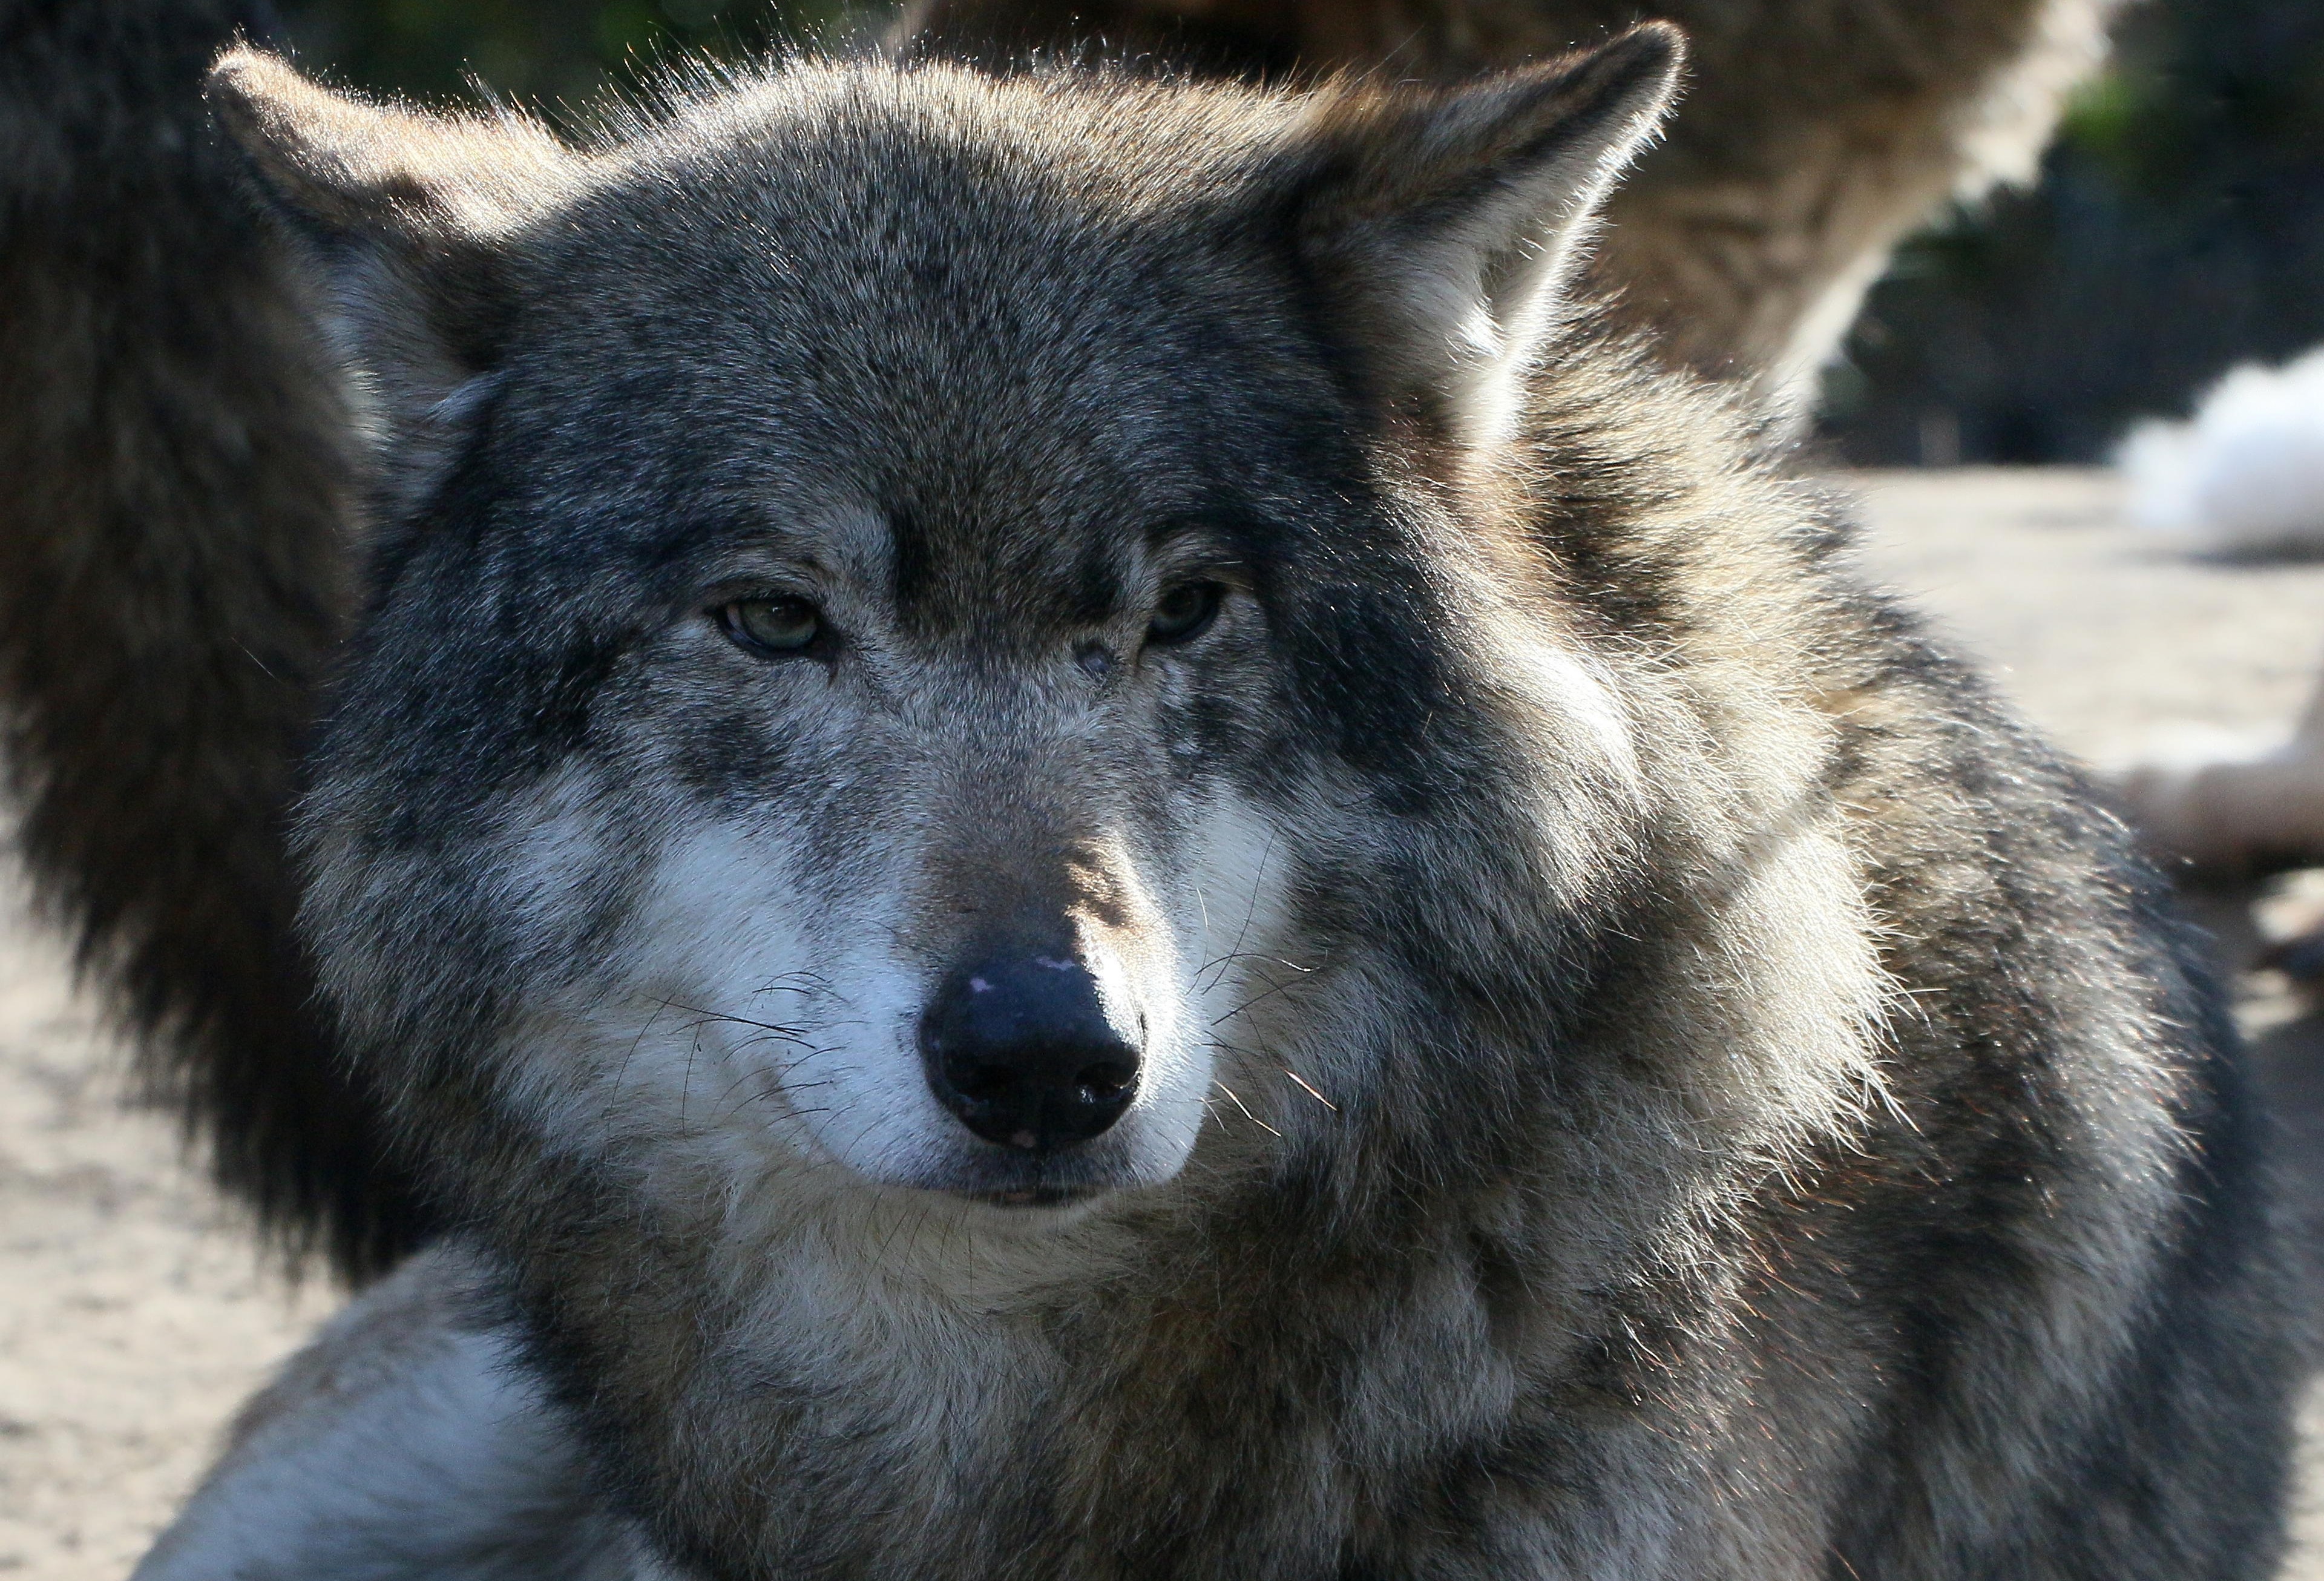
[[772, 625], [1184, 613]]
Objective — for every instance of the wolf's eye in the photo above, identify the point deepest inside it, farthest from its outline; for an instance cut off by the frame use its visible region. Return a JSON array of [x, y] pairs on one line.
[[772, 625], [1184, 613]]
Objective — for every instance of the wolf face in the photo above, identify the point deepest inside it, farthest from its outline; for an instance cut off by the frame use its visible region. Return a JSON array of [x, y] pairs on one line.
[[953, 919], [858, 595]]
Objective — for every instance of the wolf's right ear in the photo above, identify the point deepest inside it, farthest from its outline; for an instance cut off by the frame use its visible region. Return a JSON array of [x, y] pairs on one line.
[[421, 212], [1442, 223]]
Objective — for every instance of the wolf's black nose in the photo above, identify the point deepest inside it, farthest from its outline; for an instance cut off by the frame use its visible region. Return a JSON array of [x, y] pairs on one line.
[[1019, 1048]]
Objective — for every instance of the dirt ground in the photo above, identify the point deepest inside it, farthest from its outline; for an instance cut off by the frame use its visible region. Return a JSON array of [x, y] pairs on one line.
[[133, 1314]]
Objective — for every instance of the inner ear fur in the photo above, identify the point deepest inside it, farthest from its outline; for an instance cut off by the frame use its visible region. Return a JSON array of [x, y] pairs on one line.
[[419, 213], [1444, 222]]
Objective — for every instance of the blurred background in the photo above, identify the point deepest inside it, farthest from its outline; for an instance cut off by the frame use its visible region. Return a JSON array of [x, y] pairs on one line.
[[553, 55], [2178, 228]]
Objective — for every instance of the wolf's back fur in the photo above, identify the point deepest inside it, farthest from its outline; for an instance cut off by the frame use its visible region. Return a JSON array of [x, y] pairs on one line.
[[1690, 1087]]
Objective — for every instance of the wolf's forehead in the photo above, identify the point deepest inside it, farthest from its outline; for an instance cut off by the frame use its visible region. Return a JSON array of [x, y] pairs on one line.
[[956, 373], [964, 408], [1054, 213], [873, 310], [915, 560]]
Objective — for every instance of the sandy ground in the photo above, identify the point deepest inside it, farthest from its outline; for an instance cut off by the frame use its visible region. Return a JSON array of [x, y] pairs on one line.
[[133, 1314]]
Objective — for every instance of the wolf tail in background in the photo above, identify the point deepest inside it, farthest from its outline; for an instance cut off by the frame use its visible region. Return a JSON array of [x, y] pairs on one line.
[[175, 480], [174, 471], [1811, 138]]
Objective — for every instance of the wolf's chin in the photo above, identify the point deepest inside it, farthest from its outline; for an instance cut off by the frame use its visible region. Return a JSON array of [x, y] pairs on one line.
[[1002, 1183], [1033, 1209], [1021, 1186]]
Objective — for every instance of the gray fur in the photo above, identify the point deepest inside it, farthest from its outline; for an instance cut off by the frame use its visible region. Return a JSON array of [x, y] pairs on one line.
[[1691, 1088], [403, 1441]]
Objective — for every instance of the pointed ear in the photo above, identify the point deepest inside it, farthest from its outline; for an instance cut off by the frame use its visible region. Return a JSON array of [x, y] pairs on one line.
[[420, 214], [1443, 223]]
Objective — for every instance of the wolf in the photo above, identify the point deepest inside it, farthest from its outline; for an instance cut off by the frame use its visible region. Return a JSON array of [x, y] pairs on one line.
[[179, 460], [1093, 844]]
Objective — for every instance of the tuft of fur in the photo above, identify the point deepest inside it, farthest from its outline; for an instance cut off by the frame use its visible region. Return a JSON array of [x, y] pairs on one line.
[[1650, 1071], [1812, 139], [176, 478], [2244, 476]]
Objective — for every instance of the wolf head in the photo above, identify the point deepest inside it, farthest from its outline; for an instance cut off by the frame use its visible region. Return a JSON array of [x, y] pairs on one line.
[[916, 621]]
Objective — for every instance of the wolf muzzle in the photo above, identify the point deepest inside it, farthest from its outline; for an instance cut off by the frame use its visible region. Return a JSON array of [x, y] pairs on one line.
[[1018, 1044]]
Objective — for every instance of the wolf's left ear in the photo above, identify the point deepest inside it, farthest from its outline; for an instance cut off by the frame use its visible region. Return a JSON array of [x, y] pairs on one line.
[[1442, 222], [423, 213]]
